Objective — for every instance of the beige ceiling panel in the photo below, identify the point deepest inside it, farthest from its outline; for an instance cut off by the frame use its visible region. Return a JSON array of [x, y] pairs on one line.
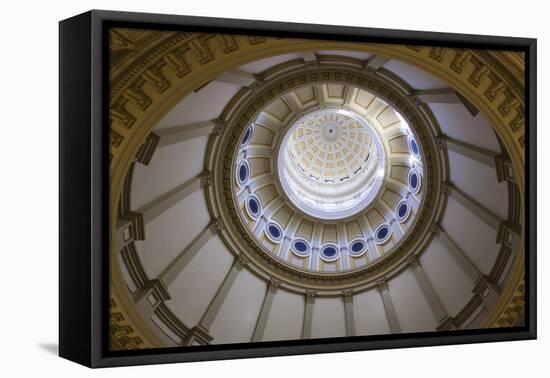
[[263, 136], [353, 230], [364, 99], [258, 166], [305, 229], [335, 92], [375, 218], [286, 317], [306, 95], [400, 173], [283, 215], [391, 198], [329, 234], [279, 110], [399, 145], [267, 194], [375, 108], [388, 117]]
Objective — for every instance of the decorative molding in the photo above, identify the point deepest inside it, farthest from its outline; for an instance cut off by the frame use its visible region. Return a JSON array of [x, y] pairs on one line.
[[467, 311], [219, 128], [147, 149], [348, 295], [198, 334], [447, 324], [216, 226], [482, 283], [207, 179], [133, 265], [310, 296], [122, 334], [132, 223], [273, 286], [240, 262], [157, 288], [505, 170], [436, 229], [413, 261], [382, 284], [514, 312], [171, 321]]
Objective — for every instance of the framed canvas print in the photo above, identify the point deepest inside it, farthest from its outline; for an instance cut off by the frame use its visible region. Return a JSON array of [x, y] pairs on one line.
[[235, 188]]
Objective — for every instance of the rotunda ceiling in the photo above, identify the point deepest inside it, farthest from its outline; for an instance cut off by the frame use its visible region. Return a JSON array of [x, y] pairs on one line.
[[316, 178], [328, 178]]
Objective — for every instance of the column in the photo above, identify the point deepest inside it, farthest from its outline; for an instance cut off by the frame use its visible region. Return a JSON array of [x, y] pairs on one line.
[[457, 253], [505, 169], [268, 210], [488, 291], [155, 291], [129, 229], [320, 95], [483, 286], [169, 274], [478, 154], [314, 261], [373, 251], [375, 62], [147, 149], [308, 314], [348, 310], [216, 303], [437, 96], [413, 201], [475, 207], [237, 77], [349, 95], [159, 205], [290, 232], [433, 299], [509, 235], [343, 239], [388, 306], [266, 309], [150, 296], [177, 134], [396, 229], [443, 96], [309, 57]]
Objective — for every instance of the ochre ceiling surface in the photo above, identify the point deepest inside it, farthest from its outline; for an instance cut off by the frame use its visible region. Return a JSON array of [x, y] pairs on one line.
[[327, 177]]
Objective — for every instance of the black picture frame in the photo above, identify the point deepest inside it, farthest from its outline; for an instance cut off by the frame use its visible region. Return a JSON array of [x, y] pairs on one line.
[[84, 189]]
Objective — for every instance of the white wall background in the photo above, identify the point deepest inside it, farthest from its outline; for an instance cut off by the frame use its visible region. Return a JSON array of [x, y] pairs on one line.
[[28, 269]]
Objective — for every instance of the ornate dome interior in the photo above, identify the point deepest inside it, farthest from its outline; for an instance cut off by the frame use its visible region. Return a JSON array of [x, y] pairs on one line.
[[315, 193]]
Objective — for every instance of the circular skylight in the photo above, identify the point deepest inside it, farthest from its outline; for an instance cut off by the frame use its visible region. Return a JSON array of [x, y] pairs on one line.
[[331, 162]]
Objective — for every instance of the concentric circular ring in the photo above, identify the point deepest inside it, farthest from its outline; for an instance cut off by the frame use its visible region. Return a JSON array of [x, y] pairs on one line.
[[258, 136]]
